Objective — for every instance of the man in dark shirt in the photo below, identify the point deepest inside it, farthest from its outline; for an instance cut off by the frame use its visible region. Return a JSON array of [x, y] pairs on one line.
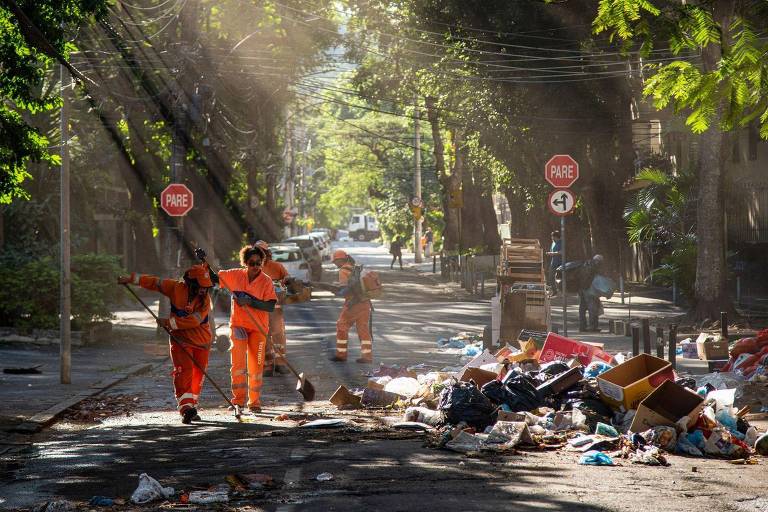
[[555, 260], [396, 250]]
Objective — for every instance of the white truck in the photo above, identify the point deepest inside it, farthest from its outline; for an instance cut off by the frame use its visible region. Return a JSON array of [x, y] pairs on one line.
[[363, 226]]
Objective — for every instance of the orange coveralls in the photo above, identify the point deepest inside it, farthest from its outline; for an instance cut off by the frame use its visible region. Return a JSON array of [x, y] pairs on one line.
[[248, 339], [355, 312], [277, 272], [189, 323]]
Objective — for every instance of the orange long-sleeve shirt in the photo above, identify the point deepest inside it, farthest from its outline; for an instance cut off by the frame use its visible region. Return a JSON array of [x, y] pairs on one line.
[[189, 320], [236, 281]]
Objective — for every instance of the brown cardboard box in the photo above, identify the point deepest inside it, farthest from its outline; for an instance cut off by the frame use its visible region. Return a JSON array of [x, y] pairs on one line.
[[342, 397], [479, 376], [711, 347], [627, 384], [665, 406]]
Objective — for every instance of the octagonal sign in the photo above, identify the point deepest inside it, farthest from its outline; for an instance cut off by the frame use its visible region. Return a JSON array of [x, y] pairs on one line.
[[176, 200], [561, 171]]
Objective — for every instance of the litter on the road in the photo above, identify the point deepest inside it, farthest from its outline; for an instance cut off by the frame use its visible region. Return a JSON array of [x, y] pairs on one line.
[[150, 490], [324, 477], [554, 392], [328, 423], [207, 497]]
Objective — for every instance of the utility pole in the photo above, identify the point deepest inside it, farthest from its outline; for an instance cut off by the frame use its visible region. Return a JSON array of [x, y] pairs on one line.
[[65, 347], [417, 183]]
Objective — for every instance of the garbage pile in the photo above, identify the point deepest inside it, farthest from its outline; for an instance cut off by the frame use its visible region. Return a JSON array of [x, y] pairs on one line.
[[564, 393], [464, 343]]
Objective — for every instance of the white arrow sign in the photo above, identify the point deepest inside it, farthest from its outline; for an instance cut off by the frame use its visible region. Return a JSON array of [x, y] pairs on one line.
[[561, 202]]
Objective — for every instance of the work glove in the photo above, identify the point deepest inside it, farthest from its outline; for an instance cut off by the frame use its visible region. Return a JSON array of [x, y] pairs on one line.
[[200, 254]]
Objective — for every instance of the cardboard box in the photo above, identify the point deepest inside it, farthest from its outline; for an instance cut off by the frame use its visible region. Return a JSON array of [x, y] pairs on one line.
[[711, 347], [343, 398], [665, 406], [560, 348], [628, 383], [478, 375], [561, 382]]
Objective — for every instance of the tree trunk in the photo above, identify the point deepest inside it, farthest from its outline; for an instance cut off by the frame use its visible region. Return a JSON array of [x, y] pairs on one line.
[[711, 296], [450, 215]]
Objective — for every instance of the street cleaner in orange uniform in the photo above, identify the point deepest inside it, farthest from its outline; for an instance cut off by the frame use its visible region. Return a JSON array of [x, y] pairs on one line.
[[253, 299], [277, 342], [188, 323], [356, 311]]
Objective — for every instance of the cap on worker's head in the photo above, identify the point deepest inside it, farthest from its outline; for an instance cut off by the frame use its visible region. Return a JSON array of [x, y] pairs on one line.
[[340, 255], [264, 246], [199, 274], [597, 258]]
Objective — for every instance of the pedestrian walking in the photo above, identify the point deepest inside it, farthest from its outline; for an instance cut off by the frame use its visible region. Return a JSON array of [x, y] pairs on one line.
[[188, 325], [429, 236], [396, 250], [356, 311], [277, 340], [589, 300], [555, 254], [251, 288]]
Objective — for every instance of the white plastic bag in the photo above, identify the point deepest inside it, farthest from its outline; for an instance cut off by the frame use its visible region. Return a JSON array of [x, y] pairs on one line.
[[423, 415], [150, 489], [204, 497], [403, 386]]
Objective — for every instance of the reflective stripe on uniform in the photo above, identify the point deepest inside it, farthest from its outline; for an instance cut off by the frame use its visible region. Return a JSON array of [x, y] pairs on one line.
[[240, 385], [174, 326], [239, 333]]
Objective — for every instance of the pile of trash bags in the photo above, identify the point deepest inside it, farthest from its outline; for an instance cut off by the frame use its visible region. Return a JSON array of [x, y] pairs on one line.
[[514, 399]]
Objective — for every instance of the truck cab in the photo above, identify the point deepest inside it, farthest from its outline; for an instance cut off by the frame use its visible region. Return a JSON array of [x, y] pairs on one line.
[[363, 226]]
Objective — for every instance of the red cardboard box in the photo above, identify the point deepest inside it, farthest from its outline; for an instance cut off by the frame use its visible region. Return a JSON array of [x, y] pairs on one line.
[[560, 348]]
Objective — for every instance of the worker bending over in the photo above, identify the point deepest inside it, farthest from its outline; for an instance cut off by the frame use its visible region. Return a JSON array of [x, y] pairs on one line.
[[188, 324]]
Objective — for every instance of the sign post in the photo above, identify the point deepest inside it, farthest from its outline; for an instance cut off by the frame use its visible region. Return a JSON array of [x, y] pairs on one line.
[[562, 171]]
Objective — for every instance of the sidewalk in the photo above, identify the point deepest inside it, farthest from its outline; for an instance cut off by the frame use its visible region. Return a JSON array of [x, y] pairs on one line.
[[30, 401]]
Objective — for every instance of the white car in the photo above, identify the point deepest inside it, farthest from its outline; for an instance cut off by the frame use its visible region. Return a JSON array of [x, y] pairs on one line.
[[342, 235], [326, 238], [292, 258], [322, 246]]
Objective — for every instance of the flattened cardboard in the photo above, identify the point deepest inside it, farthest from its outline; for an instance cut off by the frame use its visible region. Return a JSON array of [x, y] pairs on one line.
[[627, 384], [560, 348], [478, 375], [665, 406]]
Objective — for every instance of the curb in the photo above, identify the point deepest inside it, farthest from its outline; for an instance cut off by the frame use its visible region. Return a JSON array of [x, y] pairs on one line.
[[42, 419]]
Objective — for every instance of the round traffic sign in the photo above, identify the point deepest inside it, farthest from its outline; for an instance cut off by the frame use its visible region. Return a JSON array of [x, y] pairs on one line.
[[176, 200], [561, 202], [561, 171]]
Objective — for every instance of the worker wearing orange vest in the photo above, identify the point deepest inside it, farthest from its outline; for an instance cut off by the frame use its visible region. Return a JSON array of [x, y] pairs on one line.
[[356, 311], [188, 323], [277, 342], [253, 298]]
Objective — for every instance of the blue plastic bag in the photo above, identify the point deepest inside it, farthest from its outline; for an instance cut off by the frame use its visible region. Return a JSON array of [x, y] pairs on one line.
[[595, 458], [595, 368], [685, 446]]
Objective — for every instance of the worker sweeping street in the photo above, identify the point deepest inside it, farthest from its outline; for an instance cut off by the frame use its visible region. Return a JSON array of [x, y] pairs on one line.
[[356, 311], [253, 298], [280, 277], [189, 329]]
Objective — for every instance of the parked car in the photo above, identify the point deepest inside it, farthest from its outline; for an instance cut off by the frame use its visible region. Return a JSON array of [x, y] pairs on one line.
[[325, 249], [342, 235], [292, 258], [311, 250], [325, 237]]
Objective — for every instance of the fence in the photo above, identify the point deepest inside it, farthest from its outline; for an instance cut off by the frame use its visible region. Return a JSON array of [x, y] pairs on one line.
[[474, 273]]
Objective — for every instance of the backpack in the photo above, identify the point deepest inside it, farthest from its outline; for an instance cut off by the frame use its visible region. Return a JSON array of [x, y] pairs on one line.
[[366, 283]]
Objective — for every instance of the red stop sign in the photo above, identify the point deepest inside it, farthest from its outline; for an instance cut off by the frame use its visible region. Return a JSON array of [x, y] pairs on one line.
[[561, 171], [176, 200]]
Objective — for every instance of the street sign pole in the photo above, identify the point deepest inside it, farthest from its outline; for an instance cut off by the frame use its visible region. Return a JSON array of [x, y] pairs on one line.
[[565, 295]]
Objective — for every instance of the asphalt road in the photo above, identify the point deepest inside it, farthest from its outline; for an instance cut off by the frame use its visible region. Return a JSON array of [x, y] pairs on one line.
[[373, 467]]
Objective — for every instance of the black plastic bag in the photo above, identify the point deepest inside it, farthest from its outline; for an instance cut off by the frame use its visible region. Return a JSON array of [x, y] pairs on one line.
[[517, 392], [462, 401]]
